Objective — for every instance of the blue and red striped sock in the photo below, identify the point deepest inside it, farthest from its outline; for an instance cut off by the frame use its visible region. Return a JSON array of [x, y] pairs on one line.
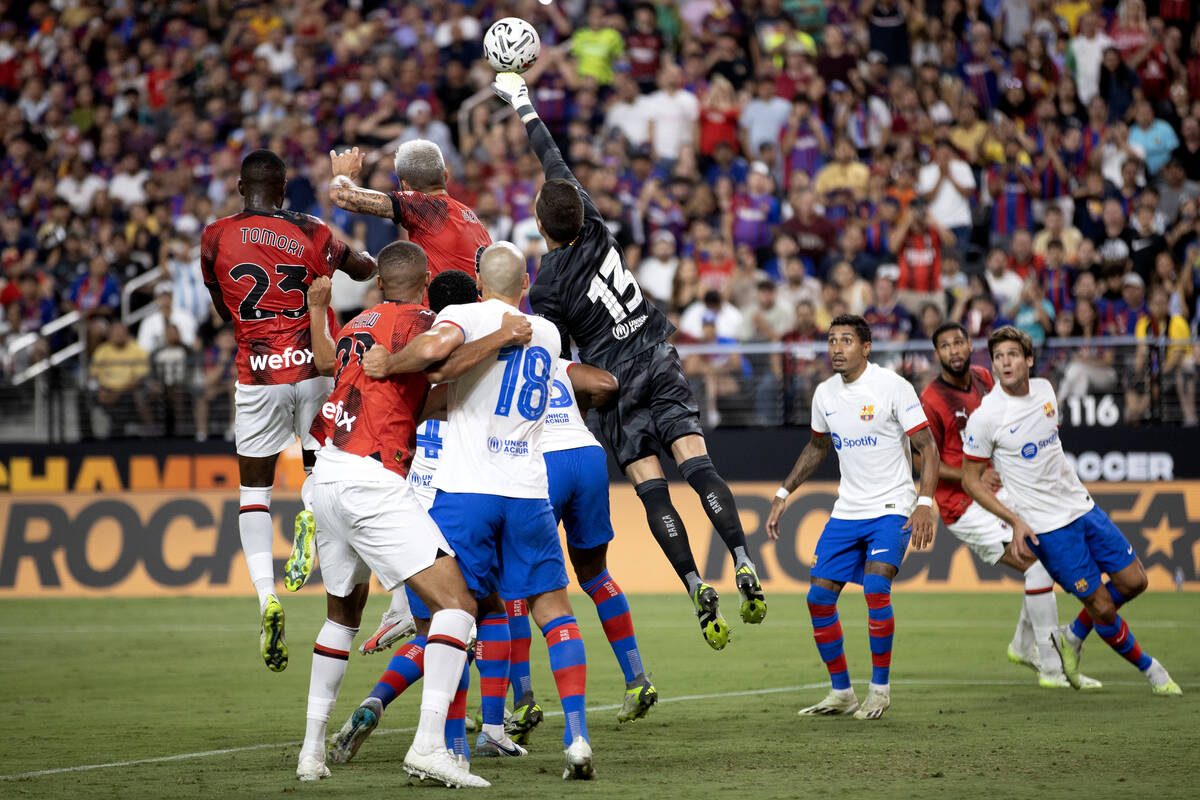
[[827, 631], [613, 609], [405, 668], [1120, 638], [491, 659], [881, 625], [568, 662], [518, 655], [456, 715], [1082, 625]]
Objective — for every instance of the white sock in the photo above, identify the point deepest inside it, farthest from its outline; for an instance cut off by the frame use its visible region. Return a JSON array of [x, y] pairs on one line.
[[306, 490], [886, 688], [1022, 640], [445, 655], [258, 535], [399, 604], [331, 654], [1041, 608]]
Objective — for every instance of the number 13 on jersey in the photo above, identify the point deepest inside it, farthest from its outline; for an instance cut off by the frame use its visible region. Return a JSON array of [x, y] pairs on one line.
[[531, 367], [611, 284]]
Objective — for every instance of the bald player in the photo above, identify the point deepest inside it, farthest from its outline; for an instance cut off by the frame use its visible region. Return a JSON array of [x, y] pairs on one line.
[[492, 498]]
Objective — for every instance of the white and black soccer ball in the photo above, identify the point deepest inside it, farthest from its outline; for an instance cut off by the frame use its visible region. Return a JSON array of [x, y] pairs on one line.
[[511, 45]]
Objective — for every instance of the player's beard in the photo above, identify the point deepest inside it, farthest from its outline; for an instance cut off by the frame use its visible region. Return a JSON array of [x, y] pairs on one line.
[[958, 373]]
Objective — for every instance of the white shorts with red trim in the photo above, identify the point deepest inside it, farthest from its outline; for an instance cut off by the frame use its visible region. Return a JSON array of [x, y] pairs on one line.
[[269, 417], [365, 528], [986, 534]]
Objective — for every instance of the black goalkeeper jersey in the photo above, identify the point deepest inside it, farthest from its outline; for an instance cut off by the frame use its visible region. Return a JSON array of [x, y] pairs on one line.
[[585, 288]]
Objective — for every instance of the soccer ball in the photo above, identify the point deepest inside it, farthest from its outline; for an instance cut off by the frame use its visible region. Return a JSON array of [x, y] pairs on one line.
[[511, 45]]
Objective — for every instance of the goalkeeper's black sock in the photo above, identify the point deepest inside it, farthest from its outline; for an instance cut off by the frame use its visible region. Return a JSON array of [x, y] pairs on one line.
[[718, 504], [668, 530]]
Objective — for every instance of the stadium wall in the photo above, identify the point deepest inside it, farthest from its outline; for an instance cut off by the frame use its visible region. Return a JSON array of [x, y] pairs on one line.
[[145, 519]]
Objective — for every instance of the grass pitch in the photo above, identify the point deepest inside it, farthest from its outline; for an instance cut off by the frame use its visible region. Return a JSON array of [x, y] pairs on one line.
[[170, 699]]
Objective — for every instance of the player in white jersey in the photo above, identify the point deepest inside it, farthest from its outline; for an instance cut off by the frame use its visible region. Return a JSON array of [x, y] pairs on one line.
[[1050, 510], [576, 466], [492, 501], [872, 417]]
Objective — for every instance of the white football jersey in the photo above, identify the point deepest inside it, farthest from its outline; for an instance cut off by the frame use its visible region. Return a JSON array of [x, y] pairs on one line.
[[495, 412], [870, 421], [1020, 437], [425, 460], [565, 428]]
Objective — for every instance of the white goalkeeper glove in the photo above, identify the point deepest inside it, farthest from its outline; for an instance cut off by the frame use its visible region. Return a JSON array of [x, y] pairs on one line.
[[510, 87]]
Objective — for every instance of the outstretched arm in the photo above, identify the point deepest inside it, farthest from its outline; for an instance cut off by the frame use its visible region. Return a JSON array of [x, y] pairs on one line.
[[511, 88], [514, 330], [432, 346], [345, 193], [318, 322], [594, 387], [810, 458]]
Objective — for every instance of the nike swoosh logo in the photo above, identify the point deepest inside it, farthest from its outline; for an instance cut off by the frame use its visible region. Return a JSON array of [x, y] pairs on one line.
[[1014, 430], [881, 550], [1130, 550], [830, 413]]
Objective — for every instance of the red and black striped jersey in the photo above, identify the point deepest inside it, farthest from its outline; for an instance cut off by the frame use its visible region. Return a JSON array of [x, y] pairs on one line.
[[947, 409], [448, 231], [263, 263], [367, 417]]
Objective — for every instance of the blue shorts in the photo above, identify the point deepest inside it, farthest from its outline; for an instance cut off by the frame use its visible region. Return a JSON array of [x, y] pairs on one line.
[[418, 608], [846, 545], [503, 544], [579, 494], [1076, 554]]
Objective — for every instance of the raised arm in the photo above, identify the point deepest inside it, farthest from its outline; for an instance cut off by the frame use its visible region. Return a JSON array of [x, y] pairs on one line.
[[810, 458], [514, 330], [323, 346], [345, 193], [594, 387], [511, 88]]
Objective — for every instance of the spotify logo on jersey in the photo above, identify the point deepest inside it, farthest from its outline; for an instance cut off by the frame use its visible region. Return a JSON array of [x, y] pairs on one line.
[[1029, 450]]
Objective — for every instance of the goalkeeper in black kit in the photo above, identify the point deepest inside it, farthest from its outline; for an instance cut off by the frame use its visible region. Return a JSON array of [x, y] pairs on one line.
[[585, 288]]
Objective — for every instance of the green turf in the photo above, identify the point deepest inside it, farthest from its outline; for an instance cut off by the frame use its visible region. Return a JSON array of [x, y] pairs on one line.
[[96, 681]]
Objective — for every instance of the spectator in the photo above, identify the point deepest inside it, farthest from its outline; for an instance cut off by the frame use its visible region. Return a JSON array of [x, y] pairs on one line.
[[1022, 259], [1056, 229], [844, 172], [1012, 187], [1163, 358], [918, 246], [1154, 136], [889, 321], [719, 114], [596, 46], [764, 117], [715, 309], [1086, 51], [672, 112], [118, 369], [423, 126], [1174, 187], [768, 319], [29, 309], [656, 273], [152, 332], [1003, 283], [170, 366], [754, 213], [947, 183], [1147, 243], [1090, 366], [1188, 151], [798, 285], [97, 296], [128, 185], [803, 361], [1034, 314], [1118, 84], [1057, 278], [853, 290], [220, 375]]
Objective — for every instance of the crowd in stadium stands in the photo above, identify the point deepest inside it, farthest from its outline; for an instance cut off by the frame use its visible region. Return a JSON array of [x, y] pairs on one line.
[[766, 165]]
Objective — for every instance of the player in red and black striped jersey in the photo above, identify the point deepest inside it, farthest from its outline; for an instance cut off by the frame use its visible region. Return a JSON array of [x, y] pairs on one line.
[[949, 400], [448, 231], [258, 265]]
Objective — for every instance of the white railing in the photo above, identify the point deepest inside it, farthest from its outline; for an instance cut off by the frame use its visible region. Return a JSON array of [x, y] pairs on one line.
[[130, 315], [25, 341]]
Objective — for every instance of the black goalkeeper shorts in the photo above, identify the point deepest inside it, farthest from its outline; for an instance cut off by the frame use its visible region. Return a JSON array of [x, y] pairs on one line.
[[654, 406]]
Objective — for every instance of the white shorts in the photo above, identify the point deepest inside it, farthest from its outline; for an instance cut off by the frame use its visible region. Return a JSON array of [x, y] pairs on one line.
[[982, 531], [379, 528], [271, 416], [422, 486]]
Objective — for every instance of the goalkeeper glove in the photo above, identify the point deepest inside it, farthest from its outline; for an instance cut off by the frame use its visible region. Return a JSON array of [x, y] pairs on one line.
[[510, 87]]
